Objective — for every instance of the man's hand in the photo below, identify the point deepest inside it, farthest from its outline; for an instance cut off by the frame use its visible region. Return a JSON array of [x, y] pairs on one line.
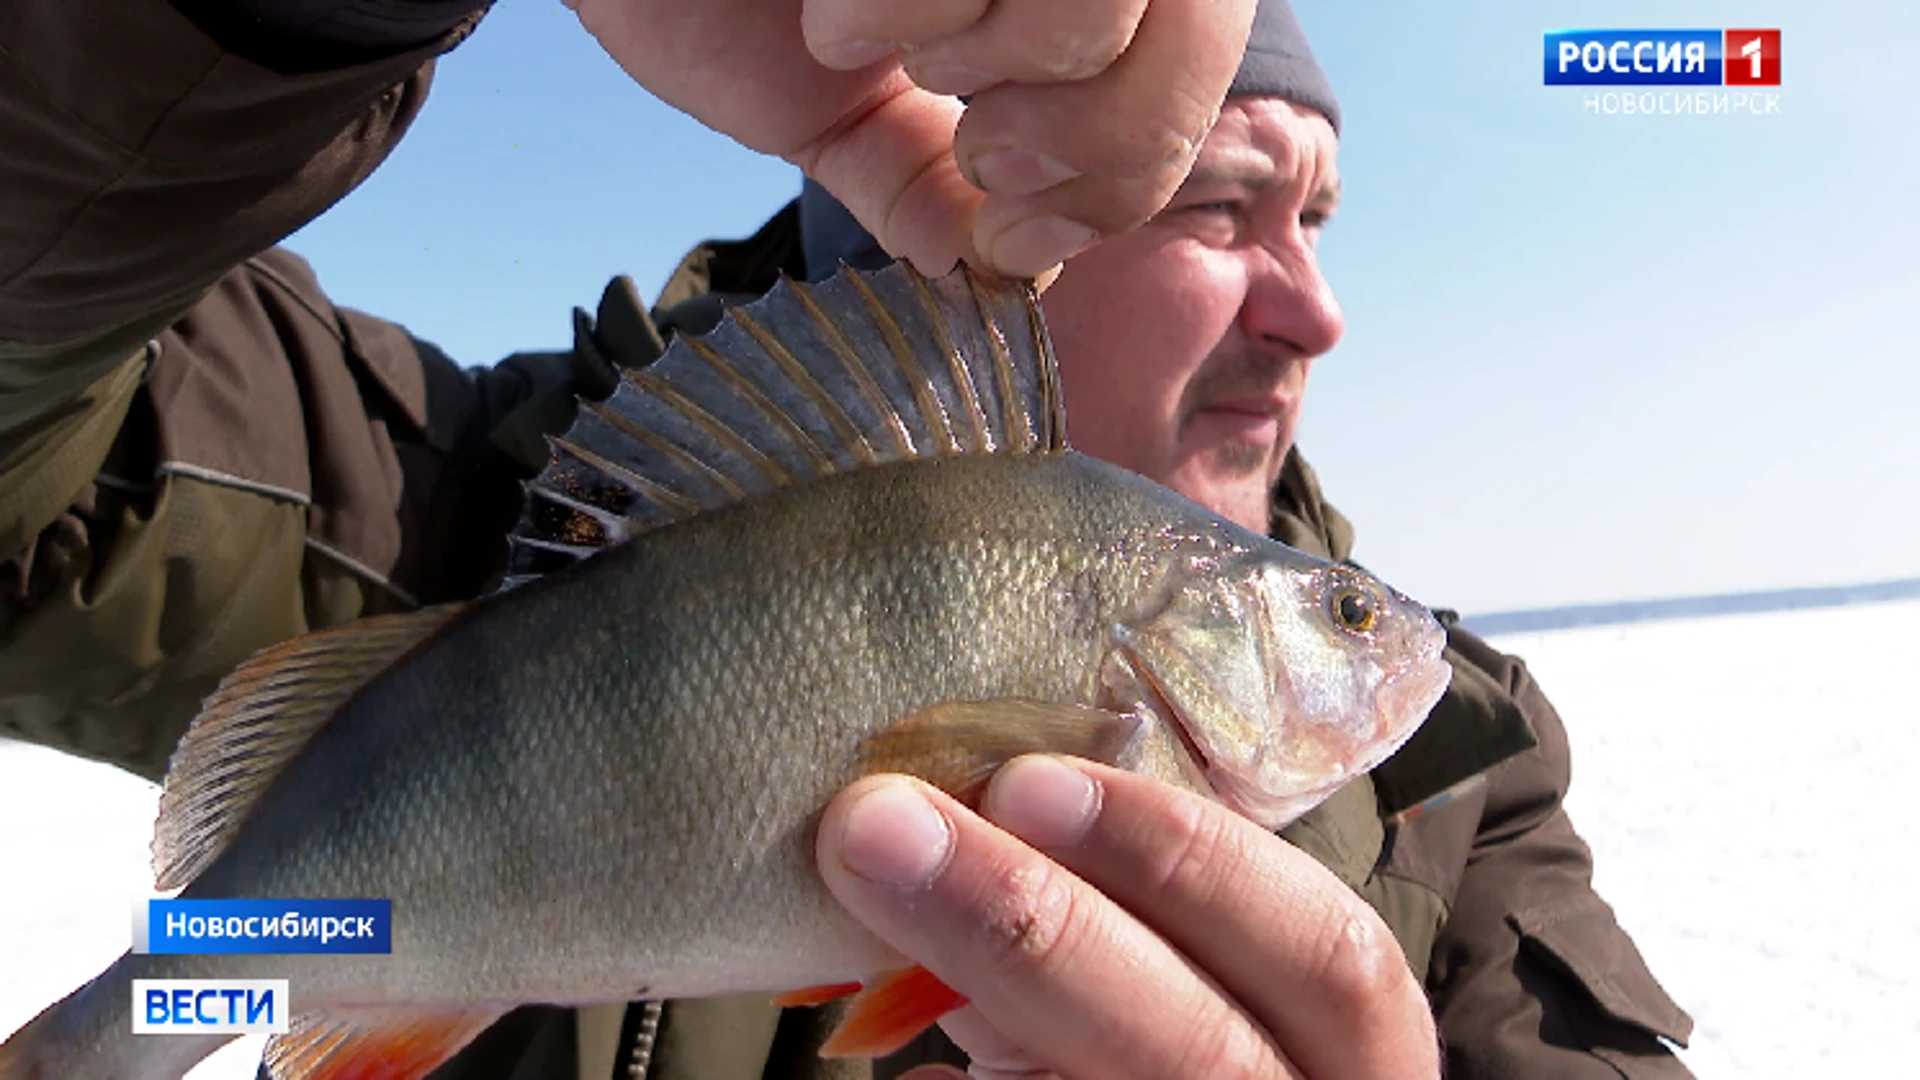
[[1146, 932], [1087, 115]]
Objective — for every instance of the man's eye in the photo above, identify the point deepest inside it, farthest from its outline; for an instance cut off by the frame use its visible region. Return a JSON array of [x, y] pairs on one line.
[[1315, 219], [1198, 214]]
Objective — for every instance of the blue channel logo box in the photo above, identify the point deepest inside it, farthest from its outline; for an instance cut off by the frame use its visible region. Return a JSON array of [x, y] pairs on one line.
[[210, 1006], [263, 927], [1634, 58]]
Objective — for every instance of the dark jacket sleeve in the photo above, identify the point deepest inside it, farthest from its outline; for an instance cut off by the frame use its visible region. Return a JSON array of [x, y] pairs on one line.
[[139, 164], [315, 35], [1531, 976], [199, 454]]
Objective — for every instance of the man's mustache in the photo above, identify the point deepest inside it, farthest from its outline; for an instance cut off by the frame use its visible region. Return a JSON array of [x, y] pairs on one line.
[[1242, 376]]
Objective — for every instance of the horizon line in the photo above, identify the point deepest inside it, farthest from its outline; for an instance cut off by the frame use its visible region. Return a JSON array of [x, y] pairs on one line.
[[1572, 616]]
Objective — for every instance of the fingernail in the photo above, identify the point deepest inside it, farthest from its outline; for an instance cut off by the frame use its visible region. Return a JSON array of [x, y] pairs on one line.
[[1038, 244], [851, 54], [1044, 801], [1011, 171], [956, 79], [894, 836]]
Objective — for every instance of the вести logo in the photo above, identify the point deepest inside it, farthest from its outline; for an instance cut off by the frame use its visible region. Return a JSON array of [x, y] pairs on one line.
[[209, 1006]]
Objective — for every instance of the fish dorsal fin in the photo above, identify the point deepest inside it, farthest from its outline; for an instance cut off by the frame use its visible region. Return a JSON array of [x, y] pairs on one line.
[[860, 370], [256, 720]]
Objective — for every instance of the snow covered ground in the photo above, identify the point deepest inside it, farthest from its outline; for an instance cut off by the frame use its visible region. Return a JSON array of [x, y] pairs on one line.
[[1750, 785]]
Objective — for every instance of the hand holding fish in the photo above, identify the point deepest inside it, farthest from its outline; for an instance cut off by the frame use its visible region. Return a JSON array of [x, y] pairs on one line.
[[1084, 118], [1223, 951]]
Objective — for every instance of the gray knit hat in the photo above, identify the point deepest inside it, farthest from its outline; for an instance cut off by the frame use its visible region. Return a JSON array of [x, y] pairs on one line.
[[1277, 63]]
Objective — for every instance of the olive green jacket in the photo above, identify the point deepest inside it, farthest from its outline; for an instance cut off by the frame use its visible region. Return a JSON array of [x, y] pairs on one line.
[[201, 455]]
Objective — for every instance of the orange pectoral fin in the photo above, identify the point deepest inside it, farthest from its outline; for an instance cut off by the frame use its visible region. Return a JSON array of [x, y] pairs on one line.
[[816, 995], [890, 1012], [400, 1047]]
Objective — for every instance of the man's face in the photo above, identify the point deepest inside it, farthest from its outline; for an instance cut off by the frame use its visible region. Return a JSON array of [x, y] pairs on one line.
[[1185, 345]]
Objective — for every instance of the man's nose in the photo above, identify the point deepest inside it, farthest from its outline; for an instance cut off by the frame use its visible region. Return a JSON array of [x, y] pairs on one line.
[[1289, 304]]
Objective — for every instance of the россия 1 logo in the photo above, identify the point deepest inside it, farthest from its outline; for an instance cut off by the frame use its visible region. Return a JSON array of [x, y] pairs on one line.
[[1662, 58]]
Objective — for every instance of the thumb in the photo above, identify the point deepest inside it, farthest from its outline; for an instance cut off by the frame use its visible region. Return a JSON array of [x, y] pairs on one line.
[[890, 162]]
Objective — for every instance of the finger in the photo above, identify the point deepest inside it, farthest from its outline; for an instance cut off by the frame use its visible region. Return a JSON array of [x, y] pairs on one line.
[[1044, 957], [1150, 105], [975, 1072], [1123, 139], [1307, 958], [892, 167], [752, 79], [987, 1047], [1034, 41], [854, 33], [881, 145]]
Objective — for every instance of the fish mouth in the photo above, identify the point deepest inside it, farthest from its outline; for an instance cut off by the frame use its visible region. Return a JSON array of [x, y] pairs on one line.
[[1409, 696]]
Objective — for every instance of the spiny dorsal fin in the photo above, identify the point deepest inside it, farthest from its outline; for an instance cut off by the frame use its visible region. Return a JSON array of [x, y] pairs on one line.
[[256, 720], [860, 370]]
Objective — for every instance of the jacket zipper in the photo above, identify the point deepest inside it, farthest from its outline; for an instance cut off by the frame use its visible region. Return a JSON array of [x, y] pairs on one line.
[[640, 1054]]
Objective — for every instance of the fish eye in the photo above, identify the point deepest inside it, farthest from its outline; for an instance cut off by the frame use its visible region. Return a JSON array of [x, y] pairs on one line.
[[1354, 609]]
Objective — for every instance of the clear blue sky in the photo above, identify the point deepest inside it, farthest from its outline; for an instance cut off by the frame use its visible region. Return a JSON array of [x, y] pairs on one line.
[[1589, 357]]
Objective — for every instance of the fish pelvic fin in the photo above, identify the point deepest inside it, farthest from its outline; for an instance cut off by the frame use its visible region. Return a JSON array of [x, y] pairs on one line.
[[256, 720], [400, 1046], [889, 1012], [958, 745], [860, 370]]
